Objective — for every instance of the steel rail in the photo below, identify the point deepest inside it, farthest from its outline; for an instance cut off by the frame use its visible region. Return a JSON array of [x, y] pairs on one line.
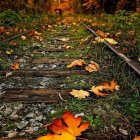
[[134, 65], [19, 35]]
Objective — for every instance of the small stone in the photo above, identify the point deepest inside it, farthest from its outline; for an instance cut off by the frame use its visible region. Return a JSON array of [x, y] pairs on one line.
[[14, 116], [18, 107], [82, 81], [36, 129], [43, 83], [22, 60], [34, 68], [30, 115], [22, 134], [41, 66], [123, 131], [30, 130], [108, 106], [54, 66], [32, 120], [22, 125], [36, 124], [53, 111], [12, 134], [9, 74], [114, 128], [44, 118], [39, 118], [80, 114], [7, 111], [22, 66]]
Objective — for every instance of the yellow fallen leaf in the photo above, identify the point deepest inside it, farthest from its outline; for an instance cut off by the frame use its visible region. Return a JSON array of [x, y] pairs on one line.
[[50, 27], [23, 37], [80, 94], [78, 62], [64, 39], [37, 33], [9, 52], [82, 41], [117, 87], [111, 41], [99, 39], [118, 34], [93, 66], [67, 47], [139, 59]]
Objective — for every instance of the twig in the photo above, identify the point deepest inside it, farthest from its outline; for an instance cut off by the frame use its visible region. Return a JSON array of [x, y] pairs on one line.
[[60, 96]]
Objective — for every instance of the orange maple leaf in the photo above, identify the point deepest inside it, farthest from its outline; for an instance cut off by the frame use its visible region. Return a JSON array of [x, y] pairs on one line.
[[137, 138], [111, 85], [68, 128], [103, 89], [99, 90], [15, 66]]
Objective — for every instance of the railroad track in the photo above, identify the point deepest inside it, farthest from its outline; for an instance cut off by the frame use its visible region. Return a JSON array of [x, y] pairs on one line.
[[51, 73], [135, 66], [44, 80]]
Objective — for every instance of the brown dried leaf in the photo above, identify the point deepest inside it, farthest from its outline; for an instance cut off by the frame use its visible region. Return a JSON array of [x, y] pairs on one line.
[[102, 34], [93, 66], [15, 66], [103, 89], [99, 90], [78, 62]]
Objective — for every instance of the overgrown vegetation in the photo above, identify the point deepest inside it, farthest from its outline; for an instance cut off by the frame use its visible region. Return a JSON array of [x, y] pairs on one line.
[[124, 27]]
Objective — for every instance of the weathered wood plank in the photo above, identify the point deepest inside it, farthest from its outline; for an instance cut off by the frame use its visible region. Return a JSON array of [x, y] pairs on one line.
[[58, 61], [49, 50], [35, 73], [35, 95]]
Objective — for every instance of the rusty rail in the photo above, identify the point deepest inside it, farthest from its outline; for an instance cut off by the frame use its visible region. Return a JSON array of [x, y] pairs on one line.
[[134, 65], [19, 35]]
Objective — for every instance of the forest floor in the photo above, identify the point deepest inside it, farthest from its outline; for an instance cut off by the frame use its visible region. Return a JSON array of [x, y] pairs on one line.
[[35, 80]]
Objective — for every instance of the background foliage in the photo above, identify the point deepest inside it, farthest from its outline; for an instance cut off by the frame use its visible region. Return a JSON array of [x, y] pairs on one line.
[[75, 6]]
